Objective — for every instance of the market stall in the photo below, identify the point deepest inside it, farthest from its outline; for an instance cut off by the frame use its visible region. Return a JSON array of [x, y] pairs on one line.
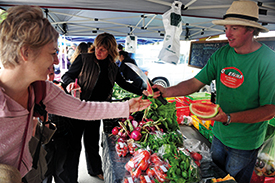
[[113, 165], [171, 131]]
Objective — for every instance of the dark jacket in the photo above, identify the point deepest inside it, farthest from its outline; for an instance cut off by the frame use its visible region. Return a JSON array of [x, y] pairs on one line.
[[129, 74], [87, 70], [126, 71]]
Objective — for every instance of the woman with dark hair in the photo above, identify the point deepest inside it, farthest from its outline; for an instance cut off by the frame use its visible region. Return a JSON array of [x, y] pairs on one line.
[[97, 73], [127, 72]]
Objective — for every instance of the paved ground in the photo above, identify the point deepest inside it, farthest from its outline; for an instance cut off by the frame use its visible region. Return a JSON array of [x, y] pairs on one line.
[[83, 176]]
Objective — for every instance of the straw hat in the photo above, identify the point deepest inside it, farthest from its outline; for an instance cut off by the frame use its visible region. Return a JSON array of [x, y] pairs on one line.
[[244, 13]]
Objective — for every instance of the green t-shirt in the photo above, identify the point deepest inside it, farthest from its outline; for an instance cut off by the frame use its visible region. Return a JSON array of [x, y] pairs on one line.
[[243, 82]]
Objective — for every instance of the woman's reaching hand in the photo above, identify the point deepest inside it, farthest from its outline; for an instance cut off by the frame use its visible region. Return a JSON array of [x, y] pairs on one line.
[[137, 104]]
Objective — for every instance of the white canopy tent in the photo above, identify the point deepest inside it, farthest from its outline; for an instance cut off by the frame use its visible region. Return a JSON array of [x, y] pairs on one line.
[[142, 18]]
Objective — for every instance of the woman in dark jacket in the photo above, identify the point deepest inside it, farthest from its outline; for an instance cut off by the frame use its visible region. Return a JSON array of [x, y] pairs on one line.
[[127, 72], [97, 73]]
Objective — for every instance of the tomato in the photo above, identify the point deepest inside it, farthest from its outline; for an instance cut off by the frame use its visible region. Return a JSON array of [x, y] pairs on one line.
[[163, 176], [141, 177], [143, 165], [121, 149], [146, 154], [124, 153], [125, 180], [135, 173], [154, 158], [196, 156], [198, 163], [132, 148], [150, 172], [128, 167], [158, 169]]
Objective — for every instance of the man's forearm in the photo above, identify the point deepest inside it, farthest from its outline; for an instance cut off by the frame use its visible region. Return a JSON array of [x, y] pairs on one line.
[[184, 88]]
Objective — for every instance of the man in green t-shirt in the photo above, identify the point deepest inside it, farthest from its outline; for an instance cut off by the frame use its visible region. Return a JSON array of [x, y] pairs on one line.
[[245, 84]]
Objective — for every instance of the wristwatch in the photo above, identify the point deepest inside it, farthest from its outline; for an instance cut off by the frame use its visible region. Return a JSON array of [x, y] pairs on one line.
[[228, 120]]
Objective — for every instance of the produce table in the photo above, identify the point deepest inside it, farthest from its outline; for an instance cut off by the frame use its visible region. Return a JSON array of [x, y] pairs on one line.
[[113, 166]]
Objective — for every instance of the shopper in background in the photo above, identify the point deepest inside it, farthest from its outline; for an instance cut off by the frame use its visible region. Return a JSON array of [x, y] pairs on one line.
[[89, 44], [119, 48], [81, 48], [28, 46], [63, 59], [245, 82], [97, 74], [71, 51], [127, 72]]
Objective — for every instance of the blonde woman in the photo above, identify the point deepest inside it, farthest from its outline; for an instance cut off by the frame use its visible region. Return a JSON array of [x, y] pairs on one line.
[[28, 45]]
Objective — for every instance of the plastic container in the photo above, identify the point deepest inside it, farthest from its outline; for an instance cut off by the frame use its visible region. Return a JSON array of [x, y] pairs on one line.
[[76, 93]]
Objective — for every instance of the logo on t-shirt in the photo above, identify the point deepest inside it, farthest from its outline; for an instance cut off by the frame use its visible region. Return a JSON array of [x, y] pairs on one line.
[[232, 77]]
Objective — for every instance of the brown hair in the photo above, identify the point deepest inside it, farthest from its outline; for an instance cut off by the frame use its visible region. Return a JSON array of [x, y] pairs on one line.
[[24, 26], [255, 30], [81, 48], [108, 41]]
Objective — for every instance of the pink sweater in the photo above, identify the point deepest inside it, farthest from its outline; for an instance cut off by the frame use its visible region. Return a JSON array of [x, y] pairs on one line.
[[13, 120]]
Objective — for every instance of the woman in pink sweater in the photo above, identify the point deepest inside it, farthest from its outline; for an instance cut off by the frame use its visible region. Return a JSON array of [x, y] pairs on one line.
[[28, 45]]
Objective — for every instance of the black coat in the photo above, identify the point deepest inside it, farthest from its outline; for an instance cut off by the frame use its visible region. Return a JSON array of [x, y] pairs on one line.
[[87, 70], [129, 74]]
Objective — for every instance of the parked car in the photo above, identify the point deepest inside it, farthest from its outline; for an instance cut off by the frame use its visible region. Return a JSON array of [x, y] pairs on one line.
[[169, 74]]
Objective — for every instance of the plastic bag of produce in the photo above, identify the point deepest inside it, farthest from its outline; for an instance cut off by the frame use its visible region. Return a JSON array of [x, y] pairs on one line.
[[133, 146], [143, 178], [196, 146], [270, 131], [122, 149], [138, 163], [181, 167], [265, 165]]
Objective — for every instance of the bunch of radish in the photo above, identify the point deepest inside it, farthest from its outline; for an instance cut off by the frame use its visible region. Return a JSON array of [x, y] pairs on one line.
[[132, 129]]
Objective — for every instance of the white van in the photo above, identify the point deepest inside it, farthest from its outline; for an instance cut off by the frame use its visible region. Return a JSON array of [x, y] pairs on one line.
[[168, 74]]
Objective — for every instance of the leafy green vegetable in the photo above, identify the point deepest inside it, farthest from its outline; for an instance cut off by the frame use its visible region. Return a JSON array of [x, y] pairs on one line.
[[181, 169], [167, 112], [154, 142], [119, 93]]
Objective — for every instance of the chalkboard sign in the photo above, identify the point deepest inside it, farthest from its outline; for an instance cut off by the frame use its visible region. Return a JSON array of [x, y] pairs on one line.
[[200, 51]]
